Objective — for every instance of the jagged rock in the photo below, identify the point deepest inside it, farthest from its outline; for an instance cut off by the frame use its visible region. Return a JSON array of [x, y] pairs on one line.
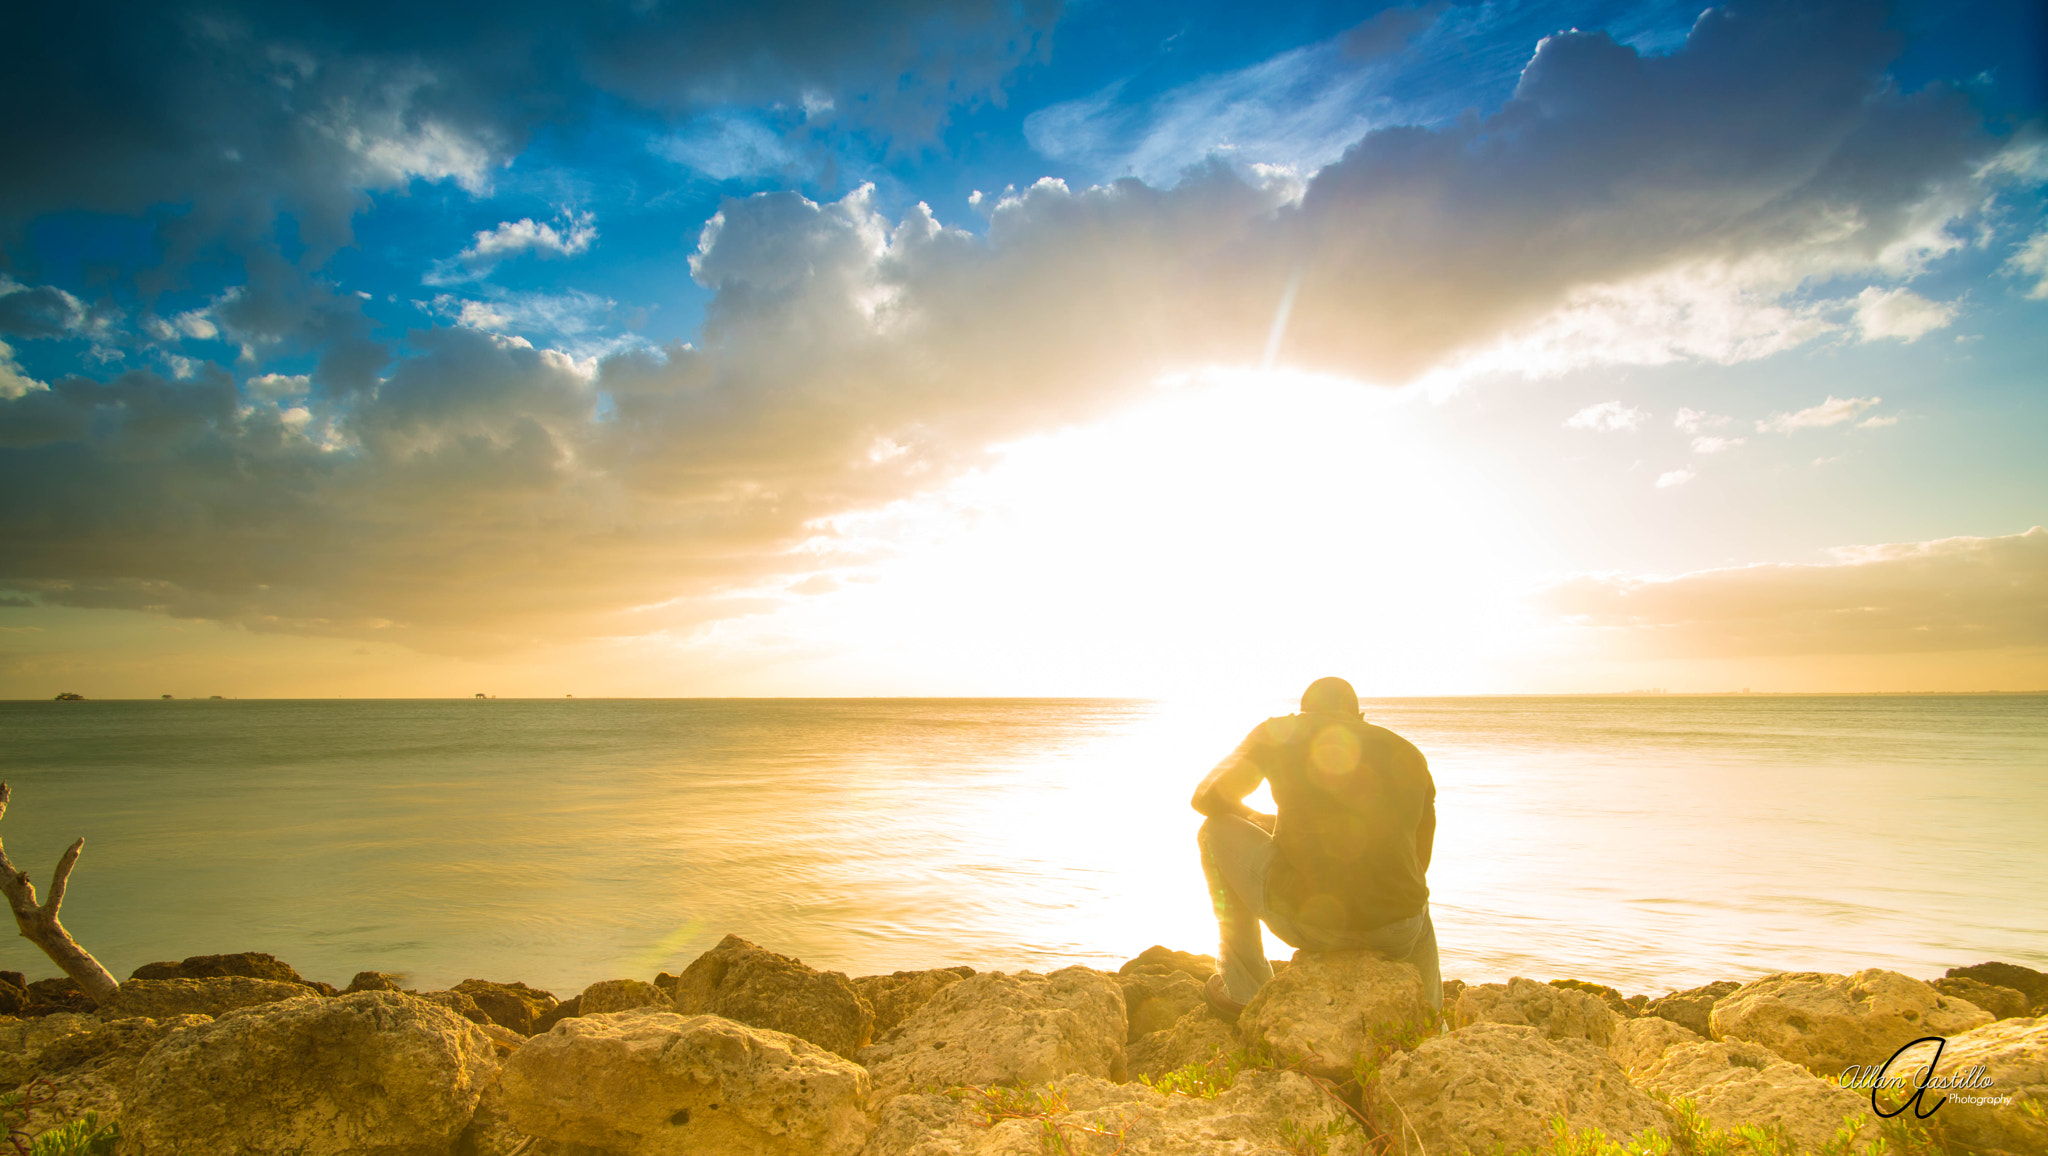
[[894, 996], [1612, 997], [509, 1005], [754, 986], [616, 995], [1829, 1022], [1158, 960], [1328, 1006], [253, 964], [375, 981], [1453, 988], [1494, 1086], [2014, 1054], [1739, 1083], [22, 1041], [1691, 1008], [1156, 1002], [1262, 1113], [1195, 1037], [568, 1009], [94, 1071], [49, 996], [2002, 1002], [160, 998], [1638, 1043], [995, 1028], [1559, 1013], [14, 997], [369, 1073], [654, 1083], [2025, 980], [457, 1002]]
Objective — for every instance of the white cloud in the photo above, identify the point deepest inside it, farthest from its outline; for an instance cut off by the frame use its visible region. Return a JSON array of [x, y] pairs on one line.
[[1678, 477], [1899, 313], [1714, 445], [278, 385], [1607, 415], [1695, 420], [511, 238], [2031, 260], [729, 145], [1833, 411], [13, 382]]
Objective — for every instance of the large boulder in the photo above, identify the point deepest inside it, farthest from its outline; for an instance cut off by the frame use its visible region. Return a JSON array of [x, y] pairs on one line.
[[1691, 1008], [1611, 996], [1736, 1084], [2008, 1115], [2025, 980], [997, 1028], [161, 998], [1497, 1086], [1196, 1037], [250, 964], [757, 987], [654, 1083], [1328, 1007], [2002, 1002], [617, 995], [22, 1041], [1266, 1111], [1160, 960], [1558, 1012], [894, 996], [1831, 1022], [94, 1071], [1638, 1043], [514, 1006], [368, 1074], [1156, 1002]]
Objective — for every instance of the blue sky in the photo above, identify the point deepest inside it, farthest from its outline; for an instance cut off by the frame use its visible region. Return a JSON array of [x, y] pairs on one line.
[[699, 349]]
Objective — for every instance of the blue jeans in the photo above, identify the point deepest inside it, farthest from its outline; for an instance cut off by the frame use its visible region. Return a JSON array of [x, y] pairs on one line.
[[1235, 857]]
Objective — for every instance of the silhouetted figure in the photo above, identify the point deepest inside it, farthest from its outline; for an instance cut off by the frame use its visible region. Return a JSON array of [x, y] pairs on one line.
[[1342, 866]]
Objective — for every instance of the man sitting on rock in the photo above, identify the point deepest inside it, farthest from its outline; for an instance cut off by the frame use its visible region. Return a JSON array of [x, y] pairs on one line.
[[1342, 866]]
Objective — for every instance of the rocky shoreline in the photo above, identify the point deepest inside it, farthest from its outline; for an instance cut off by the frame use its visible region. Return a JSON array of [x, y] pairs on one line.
[[751, 1053]]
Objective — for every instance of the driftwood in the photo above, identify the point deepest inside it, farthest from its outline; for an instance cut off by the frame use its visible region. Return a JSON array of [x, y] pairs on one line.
[[38, 922]]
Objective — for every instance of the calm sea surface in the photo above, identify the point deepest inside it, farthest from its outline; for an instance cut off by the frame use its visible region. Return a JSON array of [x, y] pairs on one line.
[[1652, 843]]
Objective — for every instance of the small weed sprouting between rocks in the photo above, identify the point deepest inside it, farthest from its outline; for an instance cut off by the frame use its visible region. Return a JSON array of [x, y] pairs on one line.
[[1314, 1141], [82, 1137], [1208, 1078], [1045, 1105], [1696, 1136]]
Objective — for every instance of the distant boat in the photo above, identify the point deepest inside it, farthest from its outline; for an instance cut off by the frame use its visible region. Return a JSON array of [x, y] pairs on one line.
[[481, 694], [166, 696], [70, 696], [214, 696]]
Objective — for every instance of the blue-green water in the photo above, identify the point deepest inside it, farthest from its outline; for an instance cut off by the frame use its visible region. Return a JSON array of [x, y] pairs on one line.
[[1650, 842]]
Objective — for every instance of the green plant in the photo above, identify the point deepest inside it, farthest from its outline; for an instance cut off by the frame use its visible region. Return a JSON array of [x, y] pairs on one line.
[[81, 1137], [1314, 1141], [1206, 1079]]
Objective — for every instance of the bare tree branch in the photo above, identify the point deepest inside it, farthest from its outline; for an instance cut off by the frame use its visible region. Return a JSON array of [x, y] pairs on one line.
[[38, 922]]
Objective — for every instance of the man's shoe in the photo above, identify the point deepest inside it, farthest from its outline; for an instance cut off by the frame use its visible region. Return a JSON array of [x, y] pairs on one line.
[[1218, 997]]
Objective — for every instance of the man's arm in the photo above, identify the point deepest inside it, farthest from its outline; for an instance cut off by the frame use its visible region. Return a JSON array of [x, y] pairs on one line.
[[1222, 792]]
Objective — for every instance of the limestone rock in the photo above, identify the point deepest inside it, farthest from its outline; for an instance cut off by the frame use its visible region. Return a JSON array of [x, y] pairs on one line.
[[894, 996], [654, 1083], [1258, 1115], [996, 1028], [1156, 1002], [1195, 1037], [1498, 1085], [754, 986], [1612, 997], [14, 997], [457, 1002], [368, 1074], [509, 1005], [22, 1041], [2002, 1002], [158, 998], [46, 996], [1739, 1083], [252, 964], [2014, 1054], [1559, 1013], [1158, 960], [94, 1071], [616, 995], [375, 981], [1638, 1043], [1325, 1009], [2025, 980], [1830, 1022], [568, 1009], [1691, 1008]]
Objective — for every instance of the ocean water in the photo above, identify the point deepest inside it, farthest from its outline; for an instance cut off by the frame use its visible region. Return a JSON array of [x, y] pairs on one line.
[[1649, 842]]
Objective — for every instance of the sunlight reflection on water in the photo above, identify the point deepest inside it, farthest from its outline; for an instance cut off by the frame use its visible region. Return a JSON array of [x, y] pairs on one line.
[[1650, 843]]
